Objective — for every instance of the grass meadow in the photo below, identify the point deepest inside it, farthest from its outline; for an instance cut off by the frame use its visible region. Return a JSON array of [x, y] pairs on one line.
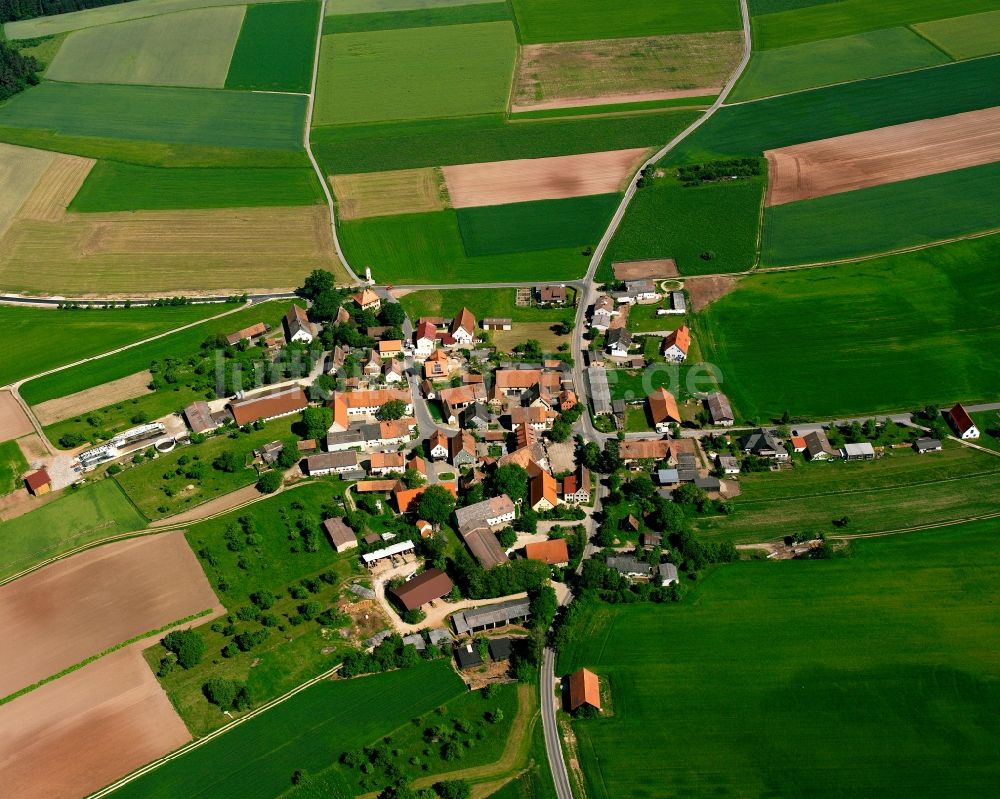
[[429, 17], [965, 37], [892, 333], [307, 732], [116, 186], [190, 48], [765, 658], [540, 225], [883, 218], [614, 108], [482, 303], [439, 142], [80, 516], [12, 466], [751, 128], [351, 7], [573, 20], [72, 335], [850, 58], [275, 48], [415, 73]]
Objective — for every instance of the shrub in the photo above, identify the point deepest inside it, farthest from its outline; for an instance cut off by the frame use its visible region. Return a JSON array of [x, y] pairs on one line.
[[187, 645]]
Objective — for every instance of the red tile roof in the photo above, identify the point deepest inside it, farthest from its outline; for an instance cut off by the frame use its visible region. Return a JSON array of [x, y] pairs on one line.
[[663, 407], [36, 480], [584, 689], [268, 406], [961, 419], [552, 552]]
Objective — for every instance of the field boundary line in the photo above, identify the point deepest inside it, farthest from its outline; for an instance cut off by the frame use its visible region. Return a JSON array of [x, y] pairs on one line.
[[917, 528]]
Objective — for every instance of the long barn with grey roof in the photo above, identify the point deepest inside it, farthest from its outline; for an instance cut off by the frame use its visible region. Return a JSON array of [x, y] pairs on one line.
[[490, 617]]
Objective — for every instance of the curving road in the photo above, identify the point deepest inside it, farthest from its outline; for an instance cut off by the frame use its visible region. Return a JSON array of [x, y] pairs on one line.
[[553, 743]]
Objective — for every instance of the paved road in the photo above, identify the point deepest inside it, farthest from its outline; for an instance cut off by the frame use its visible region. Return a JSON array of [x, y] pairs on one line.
[[553, 744]]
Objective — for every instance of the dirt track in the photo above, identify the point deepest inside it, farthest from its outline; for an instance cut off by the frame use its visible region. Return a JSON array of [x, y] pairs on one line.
[[83, 731], [526, 179], [885, 155], [76, 608], [615, 99], [13, 422], [90, 399]]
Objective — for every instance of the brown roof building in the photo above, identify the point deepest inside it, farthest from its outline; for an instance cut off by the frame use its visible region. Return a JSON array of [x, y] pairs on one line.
[[39, 482], [247, 333], [425, 587], [584, 689], [554, 552], [644, 449], [199, 417], [341, 536], [269, 406]]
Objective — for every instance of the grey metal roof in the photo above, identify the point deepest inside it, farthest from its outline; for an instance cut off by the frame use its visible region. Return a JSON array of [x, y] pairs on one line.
[[599, 389], [501, 613], [925, 444], [667, 476], [667, 571], [439, 635], [629, 564], [416, 640]]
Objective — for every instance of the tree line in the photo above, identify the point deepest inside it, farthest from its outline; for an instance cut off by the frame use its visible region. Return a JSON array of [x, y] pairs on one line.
[[17, 71], [11, 10]]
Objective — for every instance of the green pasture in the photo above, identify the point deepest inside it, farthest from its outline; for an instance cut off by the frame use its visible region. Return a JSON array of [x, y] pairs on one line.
[[428, 17], [116, 333], [535, 782], [116, 186], [571, 20], [415, 73], [965, 37], [880, 663], [849, 58], [892, 333], [45, 50], [275, 48], [541, 225], [353, 7], [706, 229], [831, 20], [72, 335], [751, 128], [988, 423], [12, 466], [482, 303], [80, 516], [427, 248], [307, 732], [439, 142], [204, 117], [883, 218], [190, 48], [758, 7], [643, 318]]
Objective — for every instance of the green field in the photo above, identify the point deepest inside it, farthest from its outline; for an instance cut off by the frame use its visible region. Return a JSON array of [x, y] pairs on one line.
[[307, 732], [78, 517], [415, 73], [681, 380], [116, 186], [190, 48], [758, 7], [830, 20], [614, 108], [439, 142], [427, 248], [892, 333], [751, 128], [72, 335], [351, 7], [850, 58], [668, 220], [883, 662], [12, 466], [482, 303], [570, 20], [275, 48], [542, 225], [965, 37], [169, 115], [416, 18], [123, 364], [883, 218]]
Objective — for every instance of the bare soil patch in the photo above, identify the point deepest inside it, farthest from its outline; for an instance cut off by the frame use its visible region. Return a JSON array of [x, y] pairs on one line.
[[645, 270], [526, 179], [703, 291], [885, 155], [87, 729], [78, 607], [90, 399], [624, 70], [404, 191], [33, 449], [14, 422]]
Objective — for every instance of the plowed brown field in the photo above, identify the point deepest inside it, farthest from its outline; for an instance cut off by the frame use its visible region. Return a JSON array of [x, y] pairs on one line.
[[91, 399], [885, 155], [13, 421]]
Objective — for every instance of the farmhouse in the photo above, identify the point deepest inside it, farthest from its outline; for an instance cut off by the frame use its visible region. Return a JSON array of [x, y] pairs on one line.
[[455, 400], [719, 409], [341, 536], [462, 449], [373, 365], [383, 463], [389, 349], [490, 617], [584, 690], [247, 334], [424, 340], [533, 385], [638, 449], [200, 418], [618, 342], [922, 445], [498, 323], [405, 497], [425, 587], [351, 406], [346, 439], [535, 417], [393, 372], [677, 344], [553, 552], [763, 444], [629, 566], [962, 422], [332, 463], [641, 290], [436, 365], [463, 327], [663, 410], [298, 326], [551, 295], [38, 483], [858, 452], [367, 300], [603, 313], [727, 464], [265, 407], [818, 446], [543, 492]]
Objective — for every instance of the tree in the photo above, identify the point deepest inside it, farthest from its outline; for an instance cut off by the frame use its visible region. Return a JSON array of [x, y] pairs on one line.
[[453, 789], [229, 461], [222, 692], [318, 282], [435, 504], [187, 645], [325, 307], [561, 430], [392, 314], [317, 422], [393, 409], [17, 71], [270, 482], [289, 455], [507, 538], [511, 480]]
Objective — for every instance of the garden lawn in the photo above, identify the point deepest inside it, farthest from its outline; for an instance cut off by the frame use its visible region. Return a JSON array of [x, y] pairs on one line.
[[892, 333], [883, 218], [415, 73], [988, 423], [850, 58], [706, 229], [72, 335], [439, 142], [307, 732], [190, 48], [965, 37], [682, 380], [482, 303], [12, 466], [751, 128], [416, 18], [831, 20], [643, 318], [883, 660], [275, 48], [116, 186], [570, 20], [80, 516]]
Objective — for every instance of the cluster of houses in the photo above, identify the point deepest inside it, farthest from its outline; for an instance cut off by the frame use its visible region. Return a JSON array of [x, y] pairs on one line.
[[609, 315]]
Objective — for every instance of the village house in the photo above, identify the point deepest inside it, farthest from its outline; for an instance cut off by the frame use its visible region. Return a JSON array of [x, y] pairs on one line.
[[641, 290], [247, 334], [677, 344], [351, 406], [272, 405], [436, 365], [373, 365], [536, 417], [584, 690], [727, 464], [424, 340], [663, 410], [389, 349], [476, 416], [341, 536], [554, 552], [630, 566], [603, 313], [437, 446], [638, 449], [422, 589], [818, 446], [405, 497], [798, 443], [384, 463], [463, 328], [455, 400], [338, 358], [367, 300], [962, 423], [763, 444], [551, 295], [719, 409], [543, 492], [298, 326], [576, 487], [618, 342], [462, 449], [498, 323], [392, 372], [332, 463]]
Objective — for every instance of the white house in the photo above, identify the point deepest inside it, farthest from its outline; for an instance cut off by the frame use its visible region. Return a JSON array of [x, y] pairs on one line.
[[332, 463], [438, 445], [299, 326], [641, 290], [676, 345], [962, 422], [393, 371], [463, 327], [425, 340], [618, 342], [604, 311]]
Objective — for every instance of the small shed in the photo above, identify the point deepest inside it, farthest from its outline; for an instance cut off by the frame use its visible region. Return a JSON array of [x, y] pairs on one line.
[[500, 649], [584, 689], [341, 536], [468, 656], [39, 482]]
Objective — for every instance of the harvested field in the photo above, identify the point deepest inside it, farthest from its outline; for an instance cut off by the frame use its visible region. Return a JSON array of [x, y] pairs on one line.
[[76, 608], [967, 36], [605, 71], [403, 191], [56, 188], [87, 729], [20, 170], [91, 399], [643, 270], [527, 179], [32, 448], [885, 155], [703, 291], [506, 340], [611, 102], [13, 421]]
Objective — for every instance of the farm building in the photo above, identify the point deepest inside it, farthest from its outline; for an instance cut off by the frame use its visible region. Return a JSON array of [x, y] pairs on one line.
[[600, 390], [922, 445], [584, 689], [270, 452], [494, 512], [667, 574], [763, 444], [439, 635], [858, 452], [490, 617], [629, 566], [641, 290], [798, 444], [332, 463], [603, 313], [728, 464], [500, 649], [265, 407], [467, 656], [425, 587], [247, 334], [383, 463], [638, 449], [962, 423], [677, 344], [416, 641], [349, 406], [405, 497], [484, 546], [200, 418], [498, 323], [341, 536], [38, 483], [553, 552], [372, 559], [298, 326], [347, 439], [668, 477], [719, 409], [678, 305], [663, 410]]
